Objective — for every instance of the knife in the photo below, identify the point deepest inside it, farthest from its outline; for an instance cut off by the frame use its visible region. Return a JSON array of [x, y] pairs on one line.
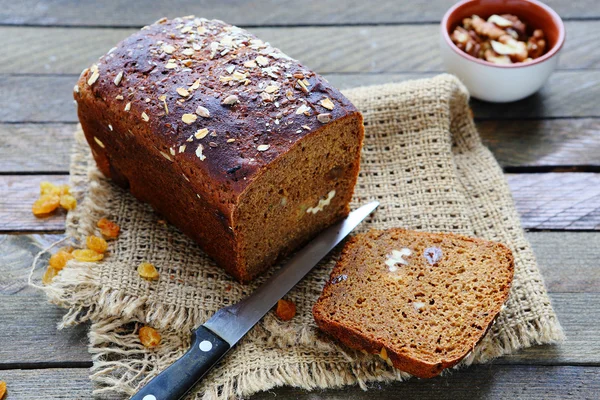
[[212, 340]]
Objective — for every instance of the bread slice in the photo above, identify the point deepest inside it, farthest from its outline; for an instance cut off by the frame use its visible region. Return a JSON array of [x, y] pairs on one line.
[[422, 301]]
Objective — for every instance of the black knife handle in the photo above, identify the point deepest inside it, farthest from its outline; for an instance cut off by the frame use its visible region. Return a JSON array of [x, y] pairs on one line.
[[175, 381]]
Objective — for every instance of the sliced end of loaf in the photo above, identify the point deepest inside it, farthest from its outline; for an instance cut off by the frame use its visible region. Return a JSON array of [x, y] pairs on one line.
[[302, 192], [423, 310]]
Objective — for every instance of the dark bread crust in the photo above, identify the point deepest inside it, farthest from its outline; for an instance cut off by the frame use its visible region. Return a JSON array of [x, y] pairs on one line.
[[140, 139], [358, 337]]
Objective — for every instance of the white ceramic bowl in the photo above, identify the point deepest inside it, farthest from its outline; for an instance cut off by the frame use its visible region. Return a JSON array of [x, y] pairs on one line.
[[502, 83]]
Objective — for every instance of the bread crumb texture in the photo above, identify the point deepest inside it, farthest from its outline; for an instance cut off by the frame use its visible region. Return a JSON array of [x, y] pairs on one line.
[[426, 299]]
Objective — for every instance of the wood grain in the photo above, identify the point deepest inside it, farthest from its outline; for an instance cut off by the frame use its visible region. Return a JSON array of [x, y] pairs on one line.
[[476, 382], [557, 201], [47, 384], [569, 201], [535, 143], [515, 143], [368, 49], [566, 94], [568, 260], [18, 194], [41, 148], [240, 12]]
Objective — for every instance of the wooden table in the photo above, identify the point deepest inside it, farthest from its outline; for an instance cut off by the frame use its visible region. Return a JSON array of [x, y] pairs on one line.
[[549, 145]]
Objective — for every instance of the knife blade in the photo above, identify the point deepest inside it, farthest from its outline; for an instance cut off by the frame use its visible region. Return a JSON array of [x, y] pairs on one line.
[[212, 340]]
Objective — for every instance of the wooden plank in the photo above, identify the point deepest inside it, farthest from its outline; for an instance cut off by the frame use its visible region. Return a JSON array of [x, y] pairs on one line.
[[476, 382], [346, 49], [569, 201], [31, 321], [18, 194], [41, 148], [515, 143], [568, 260], [256, 13], [33, 337], [48, 384], [567, 94], [554, 142]]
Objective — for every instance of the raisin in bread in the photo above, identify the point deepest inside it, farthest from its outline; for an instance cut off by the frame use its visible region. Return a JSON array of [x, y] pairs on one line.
[[241, 147], [422, 301]]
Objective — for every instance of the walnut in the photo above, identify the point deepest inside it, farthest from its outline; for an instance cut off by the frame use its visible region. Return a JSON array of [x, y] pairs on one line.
[[502, 39], [536, 45]]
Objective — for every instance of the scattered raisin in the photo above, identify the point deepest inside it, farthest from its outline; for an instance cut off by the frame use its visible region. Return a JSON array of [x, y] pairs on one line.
[[51, 188], [50, 273], [285, 310], [109, 229], [51, 197], [68, 202], [87, 255], [2, 389], [147, 271], [45, 205], [67, 249], [96, 243], [59, 260], [149, 337]]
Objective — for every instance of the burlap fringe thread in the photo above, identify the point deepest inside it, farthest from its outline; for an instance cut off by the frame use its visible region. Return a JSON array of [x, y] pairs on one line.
[[122, 364]]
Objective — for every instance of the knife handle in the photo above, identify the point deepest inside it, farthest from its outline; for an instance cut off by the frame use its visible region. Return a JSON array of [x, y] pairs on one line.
[[175, 381]]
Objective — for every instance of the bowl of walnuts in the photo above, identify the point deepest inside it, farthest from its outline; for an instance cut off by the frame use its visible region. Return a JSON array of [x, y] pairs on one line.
[[502, 50]]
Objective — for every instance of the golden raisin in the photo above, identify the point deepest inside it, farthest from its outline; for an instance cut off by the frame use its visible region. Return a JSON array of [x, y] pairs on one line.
[[51, 188], [149, 336], [285, 310], [67, 249], [68, 202], [87, 255], [96, 243], [48, 188], [59, 260], [147, 271], [50, 273], [45, 205], [109, 229], [2, 389]]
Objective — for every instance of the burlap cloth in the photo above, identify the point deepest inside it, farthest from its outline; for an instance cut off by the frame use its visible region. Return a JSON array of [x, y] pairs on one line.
[[422, 159]]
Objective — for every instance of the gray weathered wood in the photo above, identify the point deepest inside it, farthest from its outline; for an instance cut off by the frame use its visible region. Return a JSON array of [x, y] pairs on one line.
[[557, 200], [18, 194], [33, 337], [47, 384], [518, 143], [41, 148], [371, 49], [524, 143], [476, 382], [566, 94], [260, 12], [35, 340], [568, 260], [545, 201]]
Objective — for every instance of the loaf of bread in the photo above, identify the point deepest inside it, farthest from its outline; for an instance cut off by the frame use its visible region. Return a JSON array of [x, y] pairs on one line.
[[422, 301], [244, 149]]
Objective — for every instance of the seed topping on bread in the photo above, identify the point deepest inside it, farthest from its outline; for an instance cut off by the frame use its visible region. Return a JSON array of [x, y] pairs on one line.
[[191, 61]]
